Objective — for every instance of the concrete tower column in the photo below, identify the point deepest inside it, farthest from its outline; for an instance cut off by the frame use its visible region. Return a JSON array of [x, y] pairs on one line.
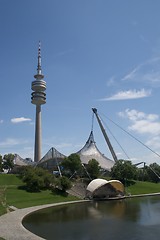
[[38, 98], [38, 135]]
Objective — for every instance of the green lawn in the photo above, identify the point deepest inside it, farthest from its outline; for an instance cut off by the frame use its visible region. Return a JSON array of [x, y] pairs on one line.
[[11, 195], [143, 188], [9, 179]]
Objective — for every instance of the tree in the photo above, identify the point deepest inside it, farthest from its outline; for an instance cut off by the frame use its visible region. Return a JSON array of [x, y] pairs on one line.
[[64, 183], [142, 174], [1, 165], [123, 170], [153, 171], [93, 168], [36, 179], [72, 164], [8, 161]]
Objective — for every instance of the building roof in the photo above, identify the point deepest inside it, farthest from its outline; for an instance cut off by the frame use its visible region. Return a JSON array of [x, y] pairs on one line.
[[96, 183], [103, 187], [52, 154], [90, 151], [51, 159], [18, 161]]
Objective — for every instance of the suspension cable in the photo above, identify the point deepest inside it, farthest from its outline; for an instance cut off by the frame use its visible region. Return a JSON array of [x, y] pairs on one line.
[[92, 121], [133, 137], [115, 139]]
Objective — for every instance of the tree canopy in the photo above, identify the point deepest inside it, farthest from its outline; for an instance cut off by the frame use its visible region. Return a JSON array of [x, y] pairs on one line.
[[36, 179], [153, 172], [93, 168], [123, 170], [72, 164], [8, 161], [1, 165]]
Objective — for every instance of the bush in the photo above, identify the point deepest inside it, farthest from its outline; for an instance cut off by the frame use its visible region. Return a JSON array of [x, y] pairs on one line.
[[36, 179], [64, 183]]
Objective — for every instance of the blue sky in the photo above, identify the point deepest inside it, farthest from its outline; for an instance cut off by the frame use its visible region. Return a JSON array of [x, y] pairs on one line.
[[95, 53]]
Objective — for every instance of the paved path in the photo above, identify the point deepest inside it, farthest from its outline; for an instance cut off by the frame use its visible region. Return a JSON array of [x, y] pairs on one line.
[[11, 227], [143, 195]]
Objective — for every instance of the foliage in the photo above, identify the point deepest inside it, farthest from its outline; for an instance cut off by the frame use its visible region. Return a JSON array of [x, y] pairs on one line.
[[8, 161], [149, 173], [14, 196], [64, 183], [93, 168], [142, 174], [153, 172], [123, 170], [1, 165], [36, 179], [9, 156], [72, 164]]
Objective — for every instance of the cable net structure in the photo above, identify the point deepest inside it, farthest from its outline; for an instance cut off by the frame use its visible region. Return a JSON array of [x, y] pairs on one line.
[[51, 160]]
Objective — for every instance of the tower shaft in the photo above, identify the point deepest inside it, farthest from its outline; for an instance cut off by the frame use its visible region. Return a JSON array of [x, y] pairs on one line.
[[38, 135]]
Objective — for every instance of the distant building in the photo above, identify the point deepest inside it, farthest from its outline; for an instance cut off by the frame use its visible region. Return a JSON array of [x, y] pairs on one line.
[[21, 162], [53, 158]]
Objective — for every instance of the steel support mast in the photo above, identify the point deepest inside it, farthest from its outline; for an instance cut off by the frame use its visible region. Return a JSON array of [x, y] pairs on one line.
[[105, 135]]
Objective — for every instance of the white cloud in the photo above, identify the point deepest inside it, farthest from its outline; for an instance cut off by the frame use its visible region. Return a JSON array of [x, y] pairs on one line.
[[145, 126], [20, 119], [130, 94], [9, 142], [131, 75], [154, 142], [141, 122], [148, 72]]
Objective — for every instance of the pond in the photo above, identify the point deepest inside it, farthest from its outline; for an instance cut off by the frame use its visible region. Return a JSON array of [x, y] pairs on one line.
[[127, 219]]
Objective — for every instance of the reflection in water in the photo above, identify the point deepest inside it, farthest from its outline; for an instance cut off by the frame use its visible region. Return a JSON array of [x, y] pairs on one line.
[[150, 213], [133, 219]]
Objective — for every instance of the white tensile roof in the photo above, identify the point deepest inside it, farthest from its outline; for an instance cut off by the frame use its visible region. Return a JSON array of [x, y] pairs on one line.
[[97, 183], [90, 151]]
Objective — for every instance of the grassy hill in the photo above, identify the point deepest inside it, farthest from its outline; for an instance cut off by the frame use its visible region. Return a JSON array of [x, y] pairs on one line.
[[11, 195], [143, 188]]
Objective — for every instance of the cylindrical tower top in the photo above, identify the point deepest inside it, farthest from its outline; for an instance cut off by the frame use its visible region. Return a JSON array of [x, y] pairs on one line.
[[39, 85]]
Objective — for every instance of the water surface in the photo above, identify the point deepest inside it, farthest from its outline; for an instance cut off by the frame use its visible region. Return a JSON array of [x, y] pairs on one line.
[[128, 219]]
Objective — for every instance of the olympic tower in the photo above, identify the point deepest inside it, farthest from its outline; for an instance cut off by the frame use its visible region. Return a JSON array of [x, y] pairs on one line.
[[38, 98]]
